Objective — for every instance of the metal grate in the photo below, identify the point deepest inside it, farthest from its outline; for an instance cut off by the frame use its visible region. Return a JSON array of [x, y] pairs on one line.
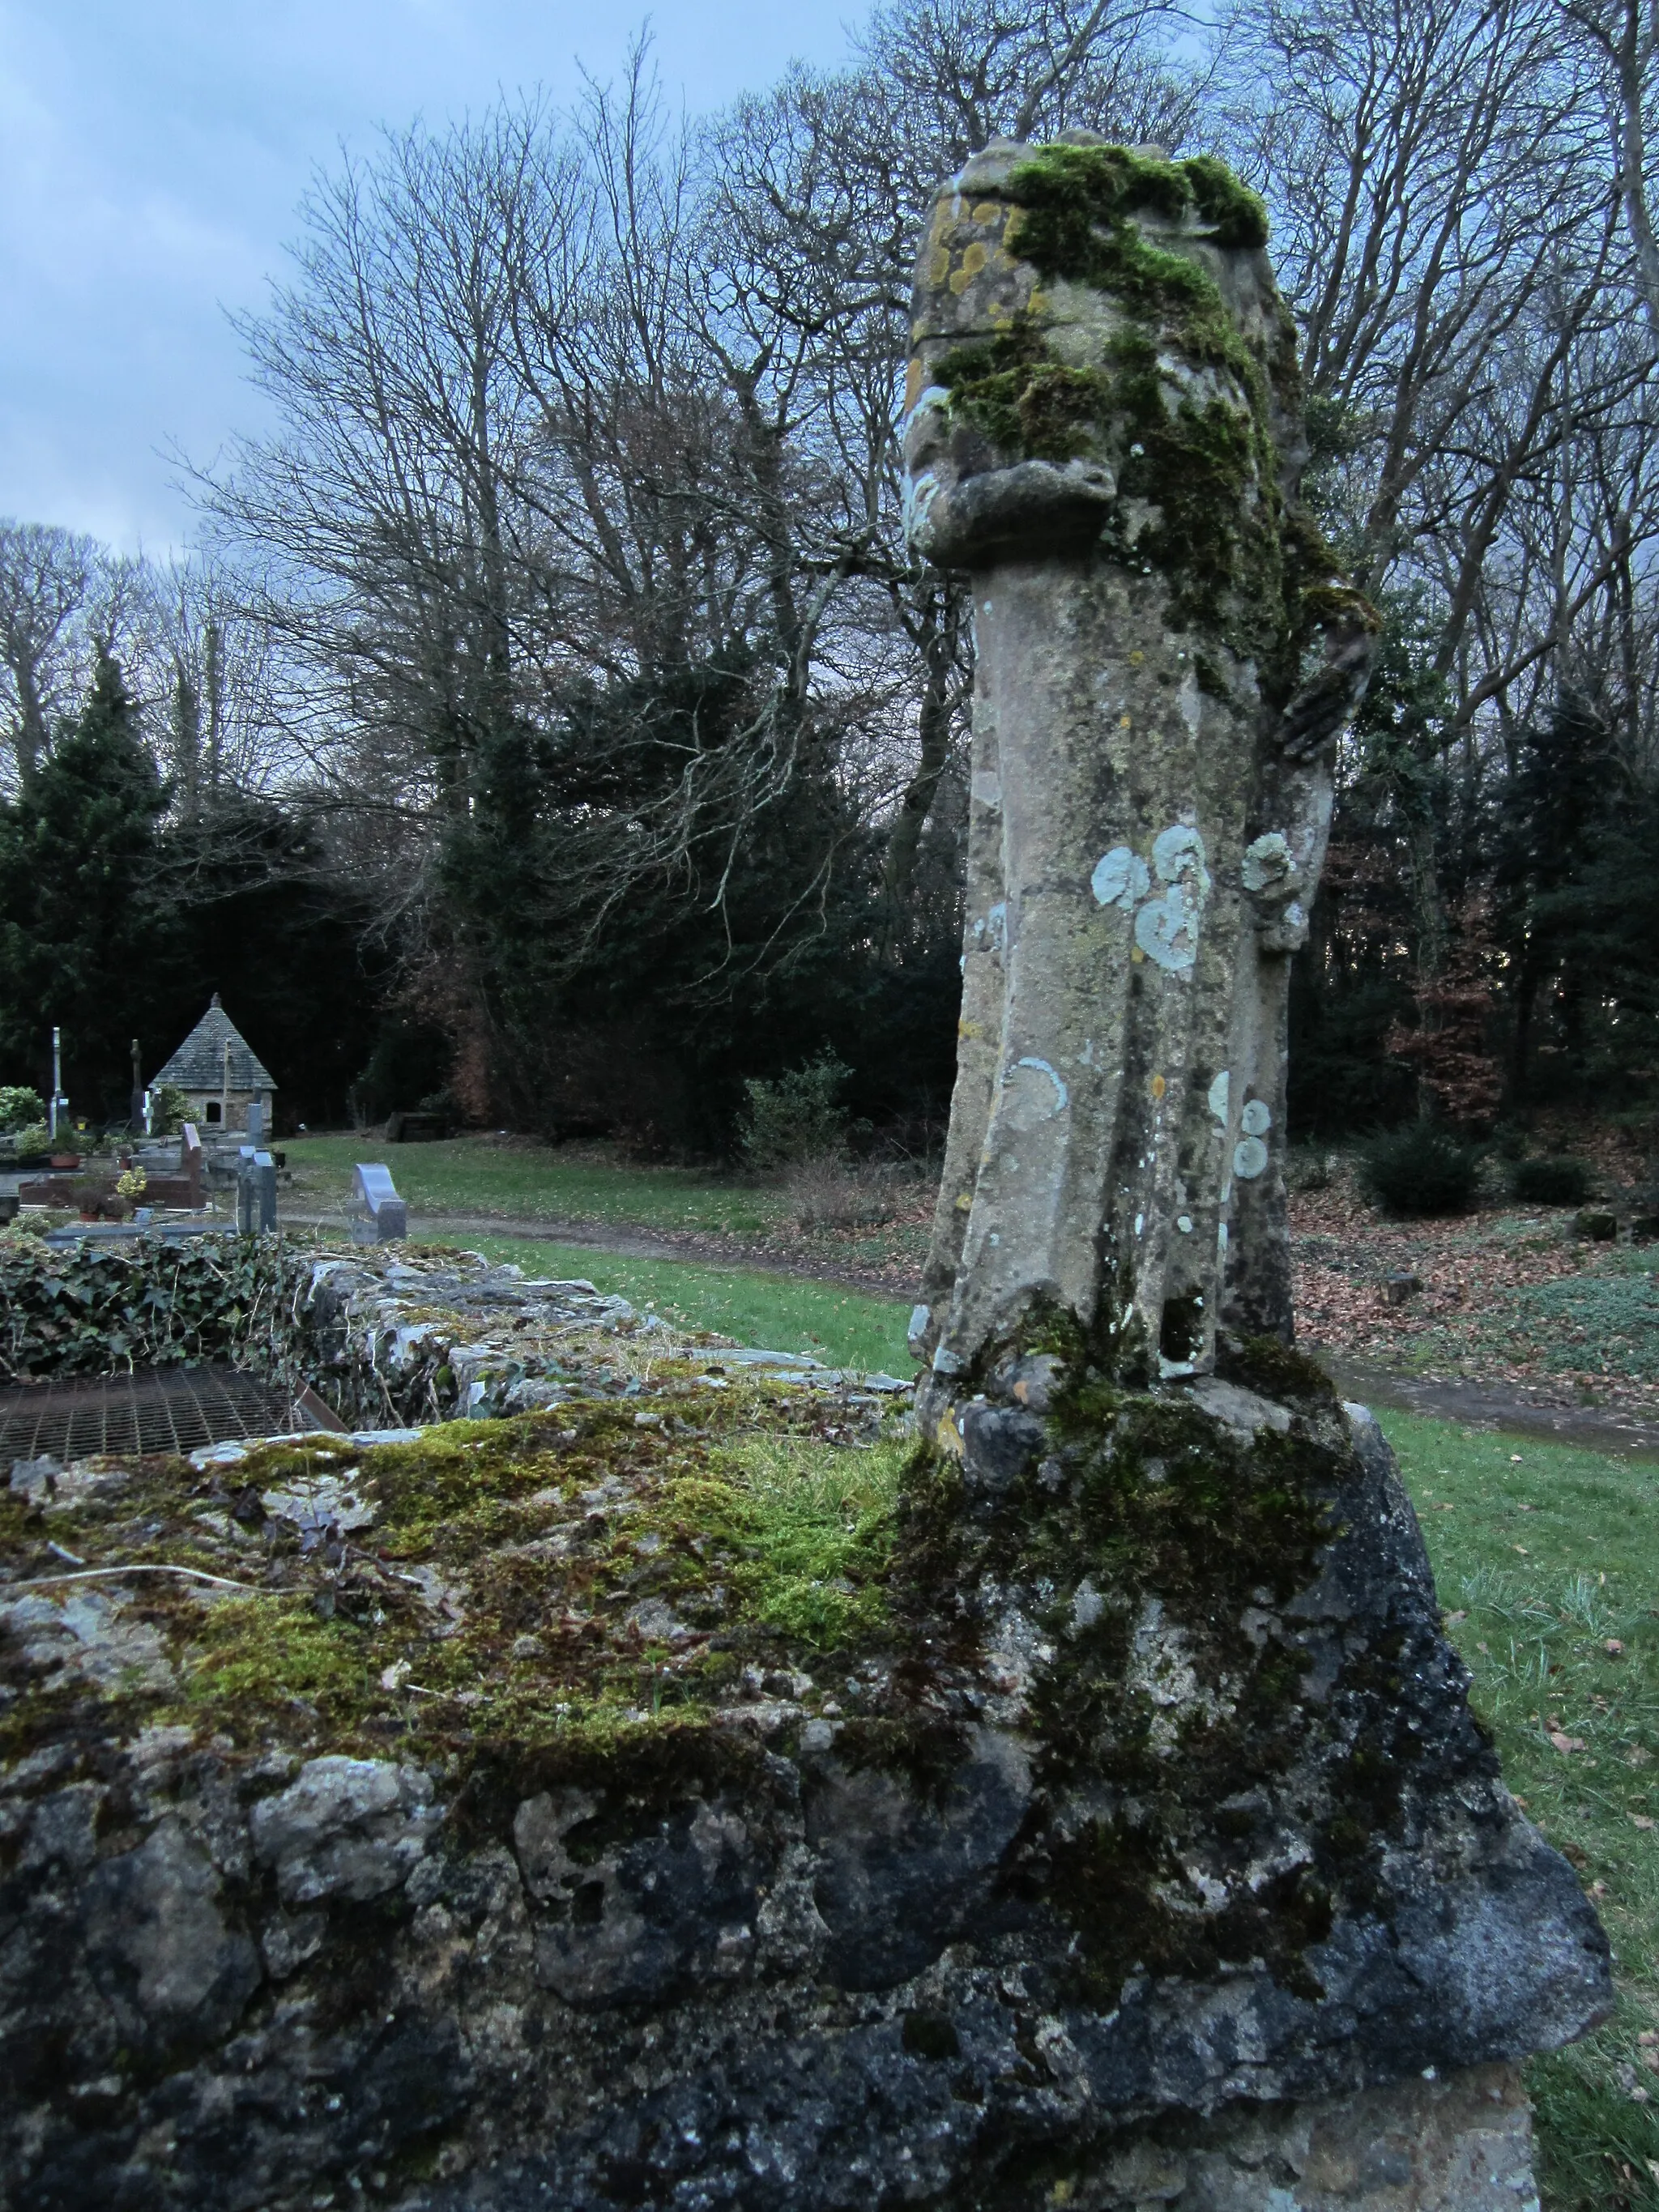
[[158, 1409]]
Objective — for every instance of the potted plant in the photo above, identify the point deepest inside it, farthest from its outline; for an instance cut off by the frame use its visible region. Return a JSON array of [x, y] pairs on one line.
[[97, 1200]]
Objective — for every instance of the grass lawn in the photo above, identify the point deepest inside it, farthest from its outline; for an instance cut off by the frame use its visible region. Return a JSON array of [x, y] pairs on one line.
[[1547, 1561], [472, 1175], [778, 1313]]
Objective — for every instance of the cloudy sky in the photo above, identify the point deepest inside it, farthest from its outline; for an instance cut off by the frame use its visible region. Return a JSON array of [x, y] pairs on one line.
[[150, 160]]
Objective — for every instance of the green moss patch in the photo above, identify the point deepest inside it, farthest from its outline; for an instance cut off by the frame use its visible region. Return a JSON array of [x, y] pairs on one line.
[[558, 1578], [1205, 472]]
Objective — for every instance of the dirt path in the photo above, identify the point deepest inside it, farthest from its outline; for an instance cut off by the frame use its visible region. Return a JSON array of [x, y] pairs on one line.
[[1506, 1406]]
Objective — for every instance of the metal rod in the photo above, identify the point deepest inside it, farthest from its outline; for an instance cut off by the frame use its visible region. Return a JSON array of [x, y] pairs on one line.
[[139, 1567]]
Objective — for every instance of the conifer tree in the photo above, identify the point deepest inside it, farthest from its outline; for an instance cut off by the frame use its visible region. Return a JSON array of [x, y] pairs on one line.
[[82, 924]]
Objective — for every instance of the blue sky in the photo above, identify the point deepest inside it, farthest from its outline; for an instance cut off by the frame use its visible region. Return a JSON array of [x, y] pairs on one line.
[[151, 159]]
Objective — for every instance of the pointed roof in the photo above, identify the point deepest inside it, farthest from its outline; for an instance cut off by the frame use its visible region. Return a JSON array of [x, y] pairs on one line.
[[199, 1062]]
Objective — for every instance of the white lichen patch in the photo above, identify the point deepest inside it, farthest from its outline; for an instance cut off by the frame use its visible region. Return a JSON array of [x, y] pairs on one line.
[[1056, 1104], [1167, 928], [1268, 862], [1015, 1650], [1161, 1671]]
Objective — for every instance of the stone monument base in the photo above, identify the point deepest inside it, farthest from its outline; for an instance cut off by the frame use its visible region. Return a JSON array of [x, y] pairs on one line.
[[1460, 2142]]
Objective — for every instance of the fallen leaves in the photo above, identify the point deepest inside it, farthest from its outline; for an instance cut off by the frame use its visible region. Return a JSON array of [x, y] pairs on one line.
[[1612, 1647], [1565, 1743], [1463, 1323], [1640, 1821]]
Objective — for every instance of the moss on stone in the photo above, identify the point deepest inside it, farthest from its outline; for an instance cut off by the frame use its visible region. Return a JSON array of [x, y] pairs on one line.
[[1024, 399], [1205, 475], [1077, 205], [1276, 1370], [564, 1578], [1187, 1538]]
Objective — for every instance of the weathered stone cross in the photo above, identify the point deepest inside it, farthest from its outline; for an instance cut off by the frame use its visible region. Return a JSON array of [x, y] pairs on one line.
[[1104, 427]]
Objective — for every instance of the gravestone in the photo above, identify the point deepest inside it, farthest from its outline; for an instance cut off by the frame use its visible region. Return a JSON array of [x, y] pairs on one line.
[[1199, 1578], [255, 1191], [190, 1165], [379, 1215]]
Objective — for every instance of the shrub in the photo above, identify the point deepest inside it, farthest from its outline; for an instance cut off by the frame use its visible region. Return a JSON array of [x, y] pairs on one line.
[[1558, 1181], [169, 1109], [20, 1107], [1420, 1169], [1308, 1168], [827, 1193], [795, 1118]]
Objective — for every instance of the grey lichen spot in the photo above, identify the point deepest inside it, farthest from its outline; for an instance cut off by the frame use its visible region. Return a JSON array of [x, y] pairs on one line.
[[1267, 861], [1218, 1097], [991, 928], [1255, 1120], [1166, 929], [1121, 878], [1087, 1605], [1042, 1106], [1249, 1159]]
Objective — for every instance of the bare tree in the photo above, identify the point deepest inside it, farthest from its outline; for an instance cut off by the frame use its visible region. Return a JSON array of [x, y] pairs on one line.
[[1622, 38], [46, 580]]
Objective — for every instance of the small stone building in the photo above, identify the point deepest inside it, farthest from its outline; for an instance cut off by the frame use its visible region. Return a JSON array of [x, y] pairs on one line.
[[220, 1073]]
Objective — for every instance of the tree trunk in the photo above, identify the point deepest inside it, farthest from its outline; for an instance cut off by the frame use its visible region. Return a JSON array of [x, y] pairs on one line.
[[938, 646]]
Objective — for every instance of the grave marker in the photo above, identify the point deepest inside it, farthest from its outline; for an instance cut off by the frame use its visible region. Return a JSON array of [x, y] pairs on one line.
[[379, 1216]]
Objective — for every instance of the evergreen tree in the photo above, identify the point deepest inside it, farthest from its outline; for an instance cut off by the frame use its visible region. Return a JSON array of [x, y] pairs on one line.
[[1579, 910], [83, 929]]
